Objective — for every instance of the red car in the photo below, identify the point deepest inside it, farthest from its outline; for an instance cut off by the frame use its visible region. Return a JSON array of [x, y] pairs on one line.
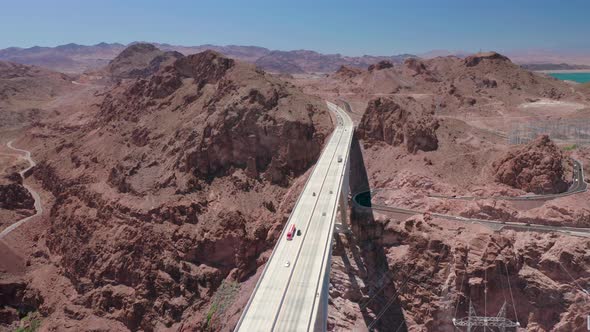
[[291, 233]]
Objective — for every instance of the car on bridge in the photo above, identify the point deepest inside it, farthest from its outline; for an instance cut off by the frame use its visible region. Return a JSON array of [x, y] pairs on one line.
[[291, 232]]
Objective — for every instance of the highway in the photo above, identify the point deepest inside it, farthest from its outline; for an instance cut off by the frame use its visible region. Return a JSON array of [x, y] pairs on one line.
[[578, 186], [288, 295], [36, 197], [494, 224]]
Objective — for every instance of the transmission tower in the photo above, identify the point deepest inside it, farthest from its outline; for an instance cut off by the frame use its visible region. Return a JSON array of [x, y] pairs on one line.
[[497, 323]]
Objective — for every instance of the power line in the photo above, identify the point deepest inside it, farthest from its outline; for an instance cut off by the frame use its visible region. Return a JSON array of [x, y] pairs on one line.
[[394, 296], [574, 280], [511, 296], [382, 287], [461, 288]]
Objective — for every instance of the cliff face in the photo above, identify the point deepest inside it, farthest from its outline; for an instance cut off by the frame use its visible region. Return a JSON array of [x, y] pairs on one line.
[[176, 188], [426, 275], [538, 167], [397, 122]]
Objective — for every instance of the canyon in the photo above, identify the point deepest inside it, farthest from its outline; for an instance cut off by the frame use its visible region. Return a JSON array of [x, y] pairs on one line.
[[166, 180]]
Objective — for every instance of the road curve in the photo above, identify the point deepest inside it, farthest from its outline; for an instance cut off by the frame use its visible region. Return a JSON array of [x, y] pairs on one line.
[[494, 224], [578, 186], [36, 197]]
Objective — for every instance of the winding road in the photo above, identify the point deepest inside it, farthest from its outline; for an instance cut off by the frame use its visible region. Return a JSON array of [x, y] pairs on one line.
[[36, 197], [360, 201]]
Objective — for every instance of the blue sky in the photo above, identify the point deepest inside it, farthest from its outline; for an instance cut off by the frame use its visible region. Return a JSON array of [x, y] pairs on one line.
[[347, 27]]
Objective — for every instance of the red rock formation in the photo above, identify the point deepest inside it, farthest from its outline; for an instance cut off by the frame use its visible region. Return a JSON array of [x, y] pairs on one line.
[[399, 122], [474, 60], [347, 72], [537, 167], [383, 64], [184, 184], [416, 66]]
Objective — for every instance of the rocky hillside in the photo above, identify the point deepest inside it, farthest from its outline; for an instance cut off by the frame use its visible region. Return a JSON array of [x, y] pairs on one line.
[[23, 91], [22, 84], [346, 72], [427, 275], [68, 58], [397, 122], [417, 273], [140, 60], [74, 58], [174, 190], [462, 84], [303, 61], [538, 167]]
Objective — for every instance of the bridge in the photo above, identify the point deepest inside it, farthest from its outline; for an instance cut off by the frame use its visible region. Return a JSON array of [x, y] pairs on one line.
[[292, 292]]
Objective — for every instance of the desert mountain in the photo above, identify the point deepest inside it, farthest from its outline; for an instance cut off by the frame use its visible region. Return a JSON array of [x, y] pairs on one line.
[[23, 83], [461, 83], [24, 88], [172, 189], [74, 58], [69, 58], [140, 60], [303, 61], [165, 193]]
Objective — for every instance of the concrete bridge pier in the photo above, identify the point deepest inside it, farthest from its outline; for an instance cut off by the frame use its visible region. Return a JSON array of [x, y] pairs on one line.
[[342, 225]]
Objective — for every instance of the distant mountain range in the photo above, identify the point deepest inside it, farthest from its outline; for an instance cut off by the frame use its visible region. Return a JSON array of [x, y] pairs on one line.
[[74, 58]]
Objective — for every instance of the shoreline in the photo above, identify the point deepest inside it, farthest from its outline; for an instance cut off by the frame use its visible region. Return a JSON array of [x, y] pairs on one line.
[[564, 71]]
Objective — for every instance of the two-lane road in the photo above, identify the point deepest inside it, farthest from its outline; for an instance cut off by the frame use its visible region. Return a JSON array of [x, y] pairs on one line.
[[287, 296], [36, 197]]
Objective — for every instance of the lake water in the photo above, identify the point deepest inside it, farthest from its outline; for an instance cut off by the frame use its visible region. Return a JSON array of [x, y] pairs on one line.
[[576, 77]]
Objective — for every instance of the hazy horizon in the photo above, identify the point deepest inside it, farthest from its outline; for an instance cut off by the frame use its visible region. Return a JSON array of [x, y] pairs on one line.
[[347, 28]]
